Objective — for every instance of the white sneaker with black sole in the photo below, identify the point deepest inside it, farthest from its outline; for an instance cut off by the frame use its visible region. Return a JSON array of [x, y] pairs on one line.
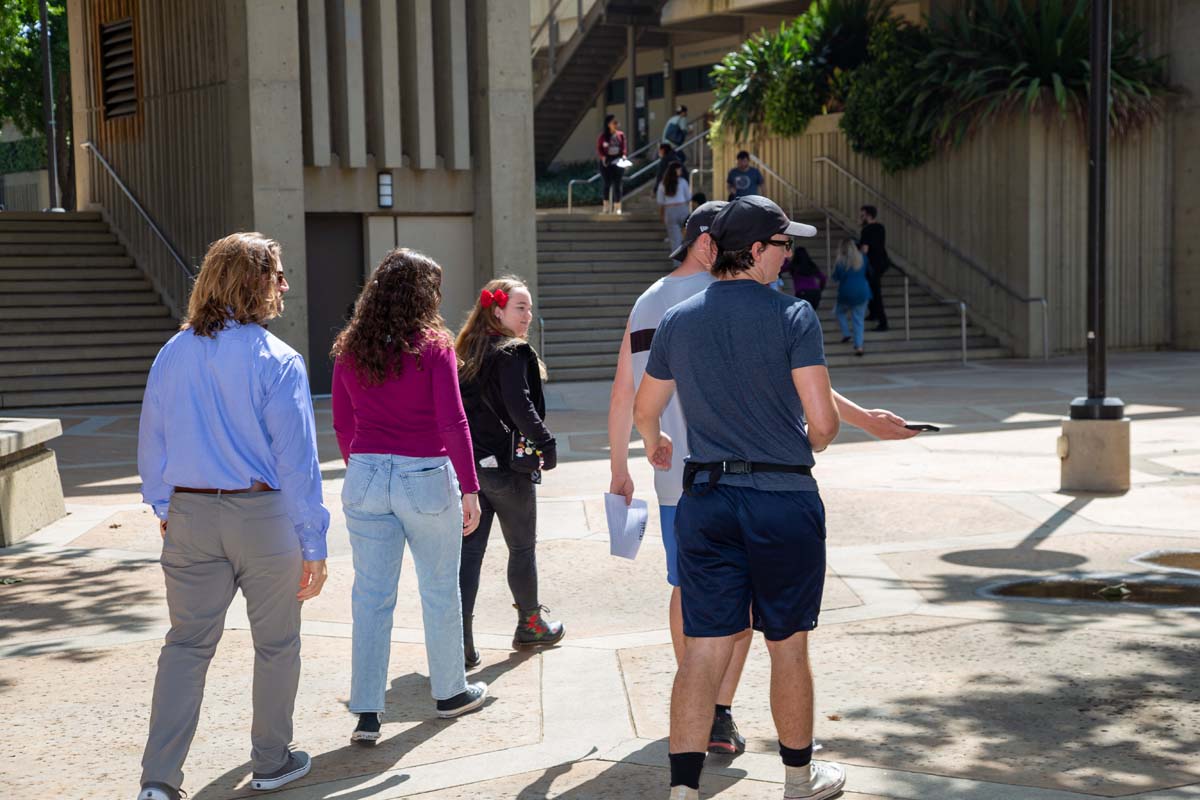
[[816, 781], [463, 702], [297, 766]]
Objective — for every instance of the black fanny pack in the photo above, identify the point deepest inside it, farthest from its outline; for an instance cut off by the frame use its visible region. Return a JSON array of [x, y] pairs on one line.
[[716, 469]]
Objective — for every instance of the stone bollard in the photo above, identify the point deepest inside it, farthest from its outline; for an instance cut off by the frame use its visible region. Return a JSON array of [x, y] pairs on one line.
[[1095, 455], [31, 494]]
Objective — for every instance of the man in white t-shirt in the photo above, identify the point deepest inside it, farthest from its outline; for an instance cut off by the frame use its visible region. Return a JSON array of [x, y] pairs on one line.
[[691, 277]]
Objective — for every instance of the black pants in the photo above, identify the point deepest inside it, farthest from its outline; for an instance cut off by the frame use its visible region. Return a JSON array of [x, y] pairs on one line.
[[813, 296], [511, 496], [612, 175], [875, 310]]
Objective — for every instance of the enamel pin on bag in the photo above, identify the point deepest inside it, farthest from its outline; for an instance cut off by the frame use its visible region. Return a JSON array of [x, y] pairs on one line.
[[523, 455]]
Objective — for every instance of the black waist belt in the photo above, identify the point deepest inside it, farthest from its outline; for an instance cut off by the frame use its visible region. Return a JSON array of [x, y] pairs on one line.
[[716, 469]]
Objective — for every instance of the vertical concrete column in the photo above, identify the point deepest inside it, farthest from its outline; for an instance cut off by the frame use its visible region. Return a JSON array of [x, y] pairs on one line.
[[501, 116], [344, 28], [80, 96], [266, 145], [450, 77], [416, 79], [380, 25], [314, 83], [630, 121]]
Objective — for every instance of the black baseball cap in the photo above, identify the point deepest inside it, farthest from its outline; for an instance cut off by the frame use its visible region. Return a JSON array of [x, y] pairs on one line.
[[751, 219], [698, 222]]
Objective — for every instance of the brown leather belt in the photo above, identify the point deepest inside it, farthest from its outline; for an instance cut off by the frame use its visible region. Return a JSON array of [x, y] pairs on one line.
[[257, 486]]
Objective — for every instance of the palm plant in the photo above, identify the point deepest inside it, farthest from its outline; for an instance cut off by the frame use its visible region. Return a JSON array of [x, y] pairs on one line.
[[740, 84], [990, 59]]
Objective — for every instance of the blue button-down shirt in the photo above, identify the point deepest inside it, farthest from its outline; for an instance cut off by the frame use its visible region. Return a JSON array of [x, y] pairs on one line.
[[226, 411]]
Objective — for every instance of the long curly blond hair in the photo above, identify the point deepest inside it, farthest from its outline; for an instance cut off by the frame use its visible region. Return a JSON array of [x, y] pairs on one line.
[[482, 330], [396, 313], [237, 281]]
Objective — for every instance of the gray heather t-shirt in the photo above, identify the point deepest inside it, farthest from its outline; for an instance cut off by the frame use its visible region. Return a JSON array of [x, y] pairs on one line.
[[647, 312], [731, 350]]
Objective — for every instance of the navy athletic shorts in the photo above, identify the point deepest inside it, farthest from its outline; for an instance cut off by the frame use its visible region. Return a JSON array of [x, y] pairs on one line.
[[743, 548]]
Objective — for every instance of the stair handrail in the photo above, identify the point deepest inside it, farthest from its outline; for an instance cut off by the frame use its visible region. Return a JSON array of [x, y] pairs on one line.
[[171, 248], [634, 192], [546, 21], [832, 218], [993, 280], [571, 183]]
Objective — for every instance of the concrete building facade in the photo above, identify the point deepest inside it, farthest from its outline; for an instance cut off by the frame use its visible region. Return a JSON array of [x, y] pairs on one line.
[[295, 118]]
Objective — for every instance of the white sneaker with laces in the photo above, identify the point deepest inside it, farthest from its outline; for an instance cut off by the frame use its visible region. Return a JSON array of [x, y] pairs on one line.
[[684, 793], [817, 781]]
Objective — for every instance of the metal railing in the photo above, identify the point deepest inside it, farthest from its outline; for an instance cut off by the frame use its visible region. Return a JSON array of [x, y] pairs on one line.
[[993, 281], [174, 283], [624, 178], [831, 219]]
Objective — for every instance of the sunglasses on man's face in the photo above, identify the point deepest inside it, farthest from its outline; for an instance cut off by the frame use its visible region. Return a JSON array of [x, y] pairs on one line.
[[786, 244]]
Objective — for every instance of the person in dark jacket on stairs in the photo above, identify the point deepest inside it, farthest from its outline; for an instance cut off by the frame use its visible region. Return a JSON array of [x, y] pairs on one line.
[[501, 380]]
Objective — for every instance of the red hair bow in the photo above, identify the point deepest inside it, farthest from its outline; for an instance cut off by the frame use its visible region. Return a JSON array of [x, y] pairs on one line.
[[499, 297]]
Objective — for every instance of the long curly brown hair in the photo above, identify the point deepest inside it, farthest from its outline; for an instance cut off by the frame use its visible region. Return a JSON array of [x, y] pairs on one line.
[[396, 313], [483, 330], [239, 280]]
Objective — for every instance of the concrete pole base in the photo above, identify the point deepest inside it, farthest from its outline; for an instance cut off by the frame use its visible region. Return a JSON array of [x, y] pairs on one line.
[[1094, 455]]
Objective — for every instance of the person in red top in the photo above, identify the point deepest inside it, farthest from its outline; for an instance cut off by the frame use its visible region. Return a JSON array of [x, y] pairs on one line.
[[402, 431], [611, 149]]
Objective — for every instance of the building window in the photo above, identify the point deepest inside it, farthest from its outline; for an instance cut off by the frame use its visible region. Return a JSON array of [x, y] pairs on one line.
[[693, 80], [614, 95], [117, 69], [654, 86]]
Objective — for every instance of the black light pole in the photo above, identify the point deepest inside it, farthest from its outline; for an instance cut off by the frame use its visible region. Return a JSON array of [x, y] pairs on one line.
[[1097, 405], [48, 106]]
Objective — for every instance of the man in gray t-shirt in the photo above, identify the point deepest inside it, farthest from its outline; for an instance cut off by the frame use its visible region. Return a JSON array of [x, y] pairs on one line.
[[748, 365]]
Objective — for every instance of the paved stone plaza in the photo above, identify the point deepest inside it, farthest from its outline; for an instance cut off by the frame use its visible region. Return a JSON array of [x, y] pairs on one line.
[[927, 688]]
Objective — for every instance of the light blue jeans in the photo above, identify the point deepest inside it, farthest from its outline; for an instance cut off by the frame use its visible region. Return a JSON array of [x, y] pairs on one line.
[[851, 321], [390, 500]]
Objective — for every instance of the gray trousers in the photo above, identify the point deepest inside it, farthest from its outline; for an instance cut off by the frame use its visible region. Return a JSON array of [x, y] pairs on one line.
[[215, 545]]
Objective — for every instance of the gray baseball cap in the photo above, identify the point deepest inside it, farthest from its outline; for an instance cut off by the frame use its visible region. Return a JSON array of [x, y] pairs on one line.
[[698, 222]]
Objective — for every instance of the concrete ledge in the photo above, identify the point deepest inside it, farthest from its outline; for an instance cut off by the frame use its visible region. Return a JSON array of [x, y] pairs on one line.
[[30, 490]]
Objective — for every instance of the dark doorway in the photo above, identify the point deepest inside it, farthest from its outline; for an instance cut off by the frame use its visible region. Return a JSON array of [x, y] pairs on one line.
[[335, 276]]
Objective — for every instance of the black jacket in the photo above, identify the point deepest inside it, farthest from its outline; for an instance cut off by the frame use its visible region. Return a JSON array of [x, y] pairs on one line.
[[874, 235], [511, 383]]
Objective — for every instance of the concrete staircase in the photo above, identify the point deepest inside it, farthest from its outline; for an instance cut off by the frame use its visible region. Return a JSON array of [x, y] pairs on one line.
[[591, 269], [79, 322]]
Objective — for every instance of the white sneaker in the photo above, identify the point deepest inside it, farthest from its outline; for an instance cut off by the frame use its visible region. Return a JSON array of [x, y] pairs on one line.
[[817, 781], [684, 793], [158, 791]]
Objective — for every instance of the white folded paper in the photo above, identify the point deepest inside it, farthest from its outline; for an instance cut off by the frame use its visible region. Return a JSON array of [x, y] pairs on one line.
[[626, 525]]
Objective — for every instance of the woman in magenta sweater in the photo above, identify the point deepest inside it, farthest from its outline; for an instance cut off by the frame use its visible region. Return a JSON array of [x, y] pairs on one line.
[[403, 433]]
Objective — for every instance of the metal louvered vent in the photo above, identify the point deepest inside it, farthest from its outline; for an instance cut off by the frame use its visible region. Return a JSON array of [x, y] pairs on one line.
[[117, 73]]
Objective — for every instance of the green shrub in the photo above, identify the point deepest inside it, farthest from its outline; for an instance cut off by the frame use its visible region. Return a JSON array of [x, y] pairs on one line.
[[22, 155], [990, 59], [875, 124]]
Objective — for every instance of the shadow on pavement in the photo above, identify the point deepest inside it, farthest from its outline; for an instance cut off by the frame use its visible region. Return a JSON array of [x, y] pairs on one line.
[[63, 593], [355, 764]]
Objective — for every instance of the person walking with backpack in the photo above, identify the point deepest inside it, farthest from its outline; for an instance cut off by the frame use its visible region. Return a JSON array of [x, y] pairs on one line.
[[227, 453], [676, 130], [851, 274], [410, 480], [612, 151], [502, 379]]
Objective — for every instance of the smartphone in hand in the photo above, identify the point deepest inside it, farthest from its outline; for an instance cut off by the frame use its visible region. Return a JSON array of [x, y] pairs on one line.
[[923, 428]]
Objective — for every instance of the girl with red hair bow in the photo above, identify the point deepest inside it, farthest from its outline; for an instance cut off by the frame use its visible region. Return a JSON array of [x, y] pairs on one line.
[[501, 380]]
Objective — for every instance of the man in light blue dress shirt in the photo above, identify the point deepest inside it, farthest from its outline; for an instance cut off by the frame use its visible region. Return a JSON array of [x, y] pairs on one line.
[[227, 452]]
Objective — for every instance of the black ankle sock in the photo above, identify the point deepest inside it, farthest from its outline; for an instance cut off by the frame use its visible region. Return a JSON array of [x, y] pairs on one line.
[[685, 769], [795, 758], [726, 710]]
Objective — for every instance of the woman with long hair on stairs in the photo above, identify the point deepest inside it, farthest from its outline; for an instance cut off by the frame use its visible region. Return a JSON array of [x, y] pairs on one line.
[[501, 378]]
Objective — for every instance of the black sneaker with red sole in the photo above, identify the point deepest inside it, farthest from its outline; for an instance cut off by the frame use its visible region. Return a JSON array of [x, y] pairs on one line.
[[724, 737]]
